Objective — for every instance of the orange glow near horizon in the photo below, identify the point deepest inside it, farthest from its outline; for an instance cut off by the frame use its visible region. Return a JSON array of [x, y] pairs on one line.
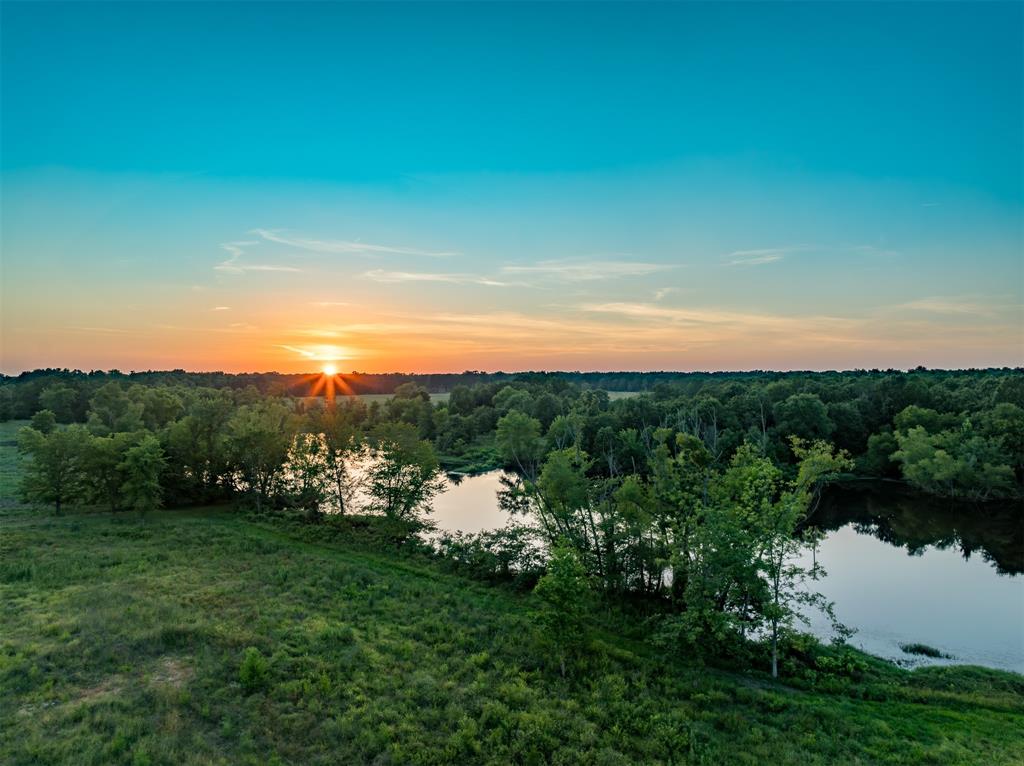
[[329, 385], [596, 336]]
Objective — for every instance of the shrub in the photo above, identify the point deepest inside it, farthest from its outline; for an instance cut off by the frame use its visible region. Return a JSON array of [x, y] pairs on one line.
[[924, 650], [511, 555], [254, 669]]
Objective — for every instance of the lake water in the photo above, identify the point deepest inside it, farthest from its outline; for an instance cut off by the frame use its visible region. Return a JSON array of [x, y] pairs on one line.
[[901, 568]]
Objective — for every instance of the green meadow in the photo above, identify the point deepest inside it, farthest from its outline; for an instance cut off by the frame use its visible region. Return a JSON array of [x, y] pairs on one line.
[[208, 636]]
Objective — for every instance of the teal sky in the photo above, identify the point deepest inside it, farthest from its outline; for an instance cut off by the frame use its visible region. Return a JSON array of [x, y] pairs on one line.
[[565, 186]]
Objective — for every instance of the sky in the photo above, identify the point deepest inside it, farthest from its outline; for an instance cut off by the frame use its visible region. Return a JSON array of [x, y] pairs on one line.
[[440, 187]]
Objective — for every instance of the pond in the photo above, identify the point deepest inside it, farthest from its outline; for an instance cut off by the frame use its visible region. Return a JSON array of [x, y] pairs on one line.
[[902, 568]]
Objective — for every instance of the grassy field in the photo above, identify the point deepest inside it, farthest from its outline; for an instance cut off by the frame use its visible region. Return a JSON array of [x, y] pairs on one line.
[[124, 641]]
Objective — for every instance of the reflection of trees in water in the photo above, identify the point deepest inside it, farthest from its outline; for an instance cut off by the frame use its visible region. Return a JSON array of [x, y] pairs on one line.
[[908, 520]]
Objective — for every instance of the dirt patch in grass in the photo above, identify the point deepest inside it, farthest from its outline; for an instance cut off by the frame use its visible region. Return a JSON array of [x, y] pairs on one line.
[[173, 671], [105, 688]]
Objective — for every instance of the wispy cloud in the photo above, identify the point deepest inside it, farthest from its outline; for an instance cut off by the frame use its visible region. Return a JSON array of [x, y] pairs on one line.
[[664, 291], [221, 308], [745, 322], [762, 256], [766, 255], [343, 247], [380, 275], [102, 330], [575, 270], [235, 265], [665, 313], [949, 305], [322, 353]]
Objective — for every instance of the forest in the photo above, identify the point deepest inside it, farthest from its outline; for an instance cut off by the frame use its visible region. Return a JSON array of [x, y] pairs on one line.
[[948, 433]]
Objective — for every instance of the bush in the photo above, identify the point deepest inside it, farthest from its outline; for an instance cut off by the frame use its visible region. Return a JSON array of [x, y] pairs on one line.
[[254, 669], [44, 421], [565, 597], [924, 650], [511, 555]]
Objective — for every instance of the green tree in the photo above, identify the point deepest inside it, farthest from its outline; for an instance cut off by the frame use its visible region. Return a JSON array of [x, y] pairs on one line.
[[197, 449], [411, 404], [258, 439], [111, 410], [404, 475], [877, 460], [681, 473], [803, 415], [518, 441], [1004, 424], [412, 391], [956, 463], [565, 595], [1011, 390], [54, 470], [563, 432], [160, 405], [741, 552], [60, 399], [641, 563], [44, 421], [546, 408], [850, 430], [308, 474], [931, 421], [342, 444], [102, 464], [142, 467], [776, 517], [511, 399], [561, 499]]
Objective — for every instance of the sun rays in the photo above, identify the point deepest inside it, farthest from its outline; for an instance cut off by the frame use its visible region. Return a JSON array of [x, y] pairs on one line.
[[329, 383]]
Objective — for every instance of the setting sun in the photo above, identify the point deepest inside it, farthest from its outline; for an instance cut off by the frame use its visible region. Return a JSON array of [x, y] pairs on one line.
[[330, 369]]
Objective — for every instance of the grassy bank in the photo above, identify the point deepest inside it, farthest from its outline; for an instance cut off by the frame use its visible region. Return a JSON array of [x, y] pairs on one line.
[[123, 642]]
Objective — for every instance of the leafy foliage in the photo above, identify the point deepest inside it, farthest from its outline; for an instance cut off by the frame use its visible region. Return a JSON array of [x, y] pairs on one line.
[[406, 477], [565, 596], [141, 467]]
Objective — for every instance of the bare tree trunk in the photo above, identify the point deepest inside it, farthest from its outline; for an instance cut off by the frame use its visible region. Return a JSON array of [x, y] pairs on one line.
[[338, 485], [775, 649], [777, 574]]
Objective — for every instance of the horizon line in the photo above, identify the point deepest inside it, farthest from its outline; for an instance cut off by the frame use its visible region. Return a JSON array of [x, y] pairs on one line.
[[820, 371]]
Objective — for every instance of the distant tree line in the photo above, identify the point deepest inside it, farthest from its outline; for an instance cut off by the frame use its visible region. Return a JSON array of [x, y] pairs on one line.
[[293, 384]]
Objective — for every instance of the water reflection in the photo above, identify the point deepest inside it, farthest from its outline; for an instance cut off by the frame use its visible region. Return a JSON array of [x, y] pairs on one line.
[[470, 503], [899, 517]]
